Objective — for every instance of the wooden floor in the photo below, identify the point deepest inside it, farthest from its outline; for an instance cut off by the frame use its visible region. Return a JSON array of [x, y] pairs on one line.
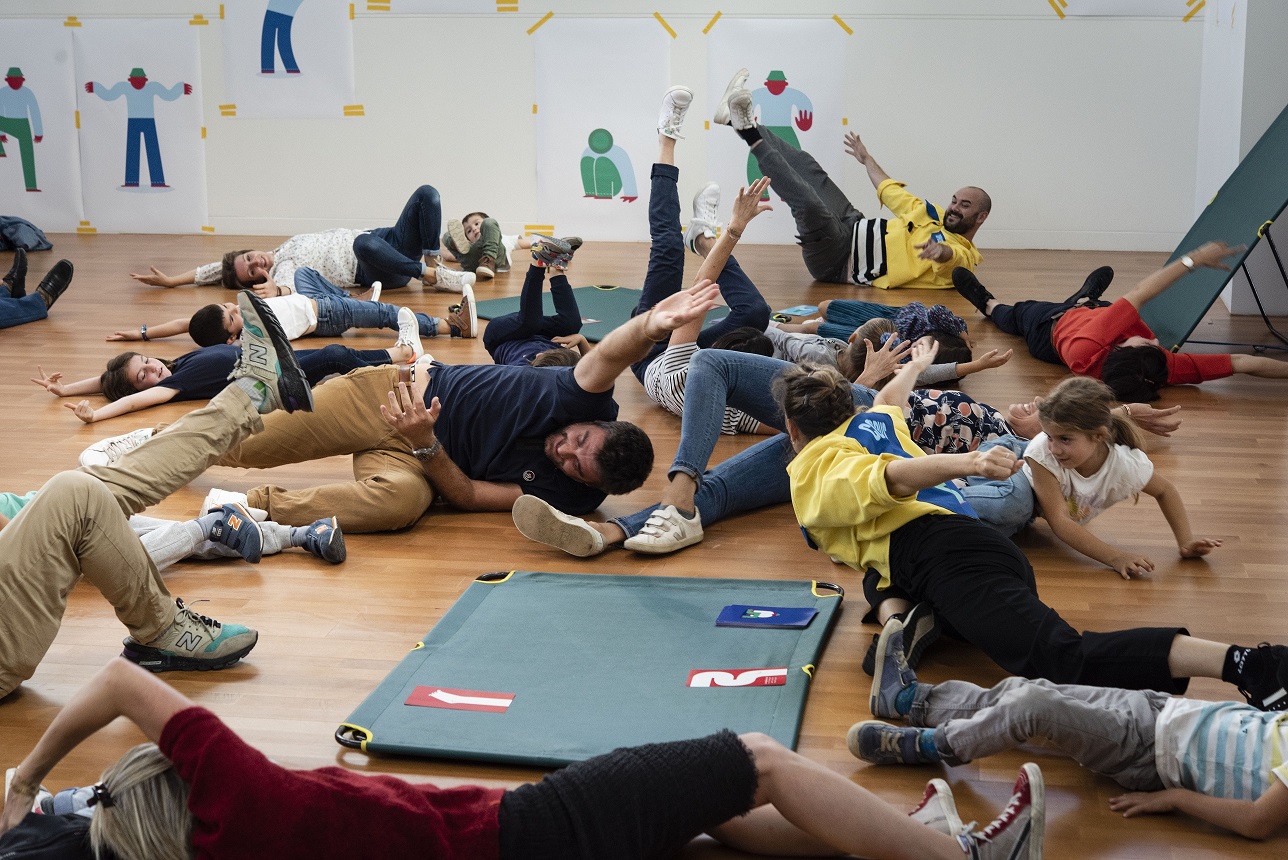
[[329, 634]]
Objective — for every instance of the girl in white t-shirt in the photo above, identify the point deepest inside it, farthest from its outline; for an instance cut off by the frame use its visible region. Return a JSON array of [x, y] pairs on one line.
[[1086, 459]]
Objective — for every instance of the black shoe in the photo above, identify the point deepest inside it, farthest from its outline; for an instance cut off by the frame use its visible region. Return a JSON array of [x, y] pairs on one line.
[[16, 280], [1094, 287], [969, 287], [1263, 678], [55, 282]]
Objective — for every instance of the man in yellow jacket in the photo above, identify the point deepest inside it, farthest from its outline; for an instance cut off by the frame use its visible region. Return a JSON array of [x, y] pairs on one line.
[[918, 247]]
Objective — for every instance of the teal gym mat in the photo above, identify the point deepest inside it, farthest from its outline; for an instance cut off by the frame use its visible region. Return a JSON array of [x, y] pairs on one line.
[[603, 308], [550, 668], [1249, 201]]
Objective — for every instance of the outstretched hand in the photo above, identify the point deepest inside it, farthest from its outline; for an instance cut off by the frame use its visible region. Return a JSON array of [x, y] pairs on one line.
[[936, 252], [1199, 547], [922, 354], [1135, 803], [994, 358], [83, 410], [1160, 422], [1213, 253], [1131, 565], [49, 382], [748, 205], [411, 417], [883, 362], [155, 278], [679, 308], [128, 334], [854, 146]]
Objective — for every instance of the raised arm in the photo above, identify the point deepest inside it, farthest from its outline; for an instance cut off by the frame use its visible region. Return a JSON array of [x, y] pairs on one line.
[[1209, 255], [120, 689], [154, 332], [746, 206], [897, 390], [52, 382], [630, 342], [408, 414], [855, 147]]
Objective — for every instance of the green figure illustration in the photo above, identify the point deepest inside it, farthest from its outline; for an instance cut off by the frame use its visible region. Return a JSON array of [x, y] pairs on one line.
[[20, 117], [606, 169], [779, 106]]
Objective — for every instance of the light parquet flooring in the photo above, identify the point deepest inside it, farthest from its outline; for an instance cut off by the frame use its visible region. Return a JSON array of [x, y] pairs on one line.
[[329, 634]]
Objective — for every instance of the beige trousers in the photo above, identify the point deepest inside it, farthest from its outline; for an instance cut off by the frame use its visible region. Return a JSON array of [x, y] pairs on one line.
[[77, 526], [389, 490]]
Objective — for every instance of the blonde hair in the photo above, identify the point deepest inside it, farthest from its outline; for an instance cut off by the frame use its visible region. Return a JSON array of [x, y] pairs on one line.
[[149, 817], [817, 398], [1084, 404]]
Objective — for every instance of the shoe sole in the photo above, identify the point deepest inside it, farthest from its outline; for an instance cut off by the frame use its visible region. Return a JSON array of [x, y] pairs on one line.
[[292, 385], [484, 273], [456, 230], [737, 82], [539, 522], [675, 135], [158, 661], [560, 247], [1037, 809], [920, 631], [467, 300], [878, 669]]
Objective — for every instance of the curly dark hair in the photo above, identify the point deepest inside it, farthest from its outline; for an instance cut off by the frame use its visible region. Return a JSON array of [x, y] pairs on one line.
[[207, 326], [745, 339], [626, 458], [1135, 373]]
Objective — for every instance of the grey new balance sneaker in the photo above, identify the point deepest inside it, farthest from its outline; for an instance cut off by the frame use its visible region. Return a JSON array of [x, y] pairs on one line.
[[192, 642]]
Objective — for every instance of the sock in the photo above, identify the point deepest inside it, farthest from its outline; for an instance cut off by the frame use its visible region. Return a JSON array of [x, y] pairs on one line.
[[926, 745], [903, 701], [750, 135], [206, 522], [297, 535], [687, 514], [1235, 664], [261, 398], [424, 267]]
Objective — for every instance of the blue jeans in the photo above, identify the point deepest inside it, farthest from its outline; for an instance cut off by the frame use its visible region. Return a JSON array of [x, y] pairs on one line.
[[318, 364], [846, 315], [755, 478], [665, 275], [337, 313], [1005, 505], [276, 26], [392, 255], [29, 308], [146, 128]]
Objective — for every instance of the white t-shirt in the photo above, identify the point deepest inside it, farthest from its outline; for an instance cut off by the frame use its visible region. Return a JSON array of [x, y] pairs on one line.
[[1221, 749], [296, 314], [1125, 473]]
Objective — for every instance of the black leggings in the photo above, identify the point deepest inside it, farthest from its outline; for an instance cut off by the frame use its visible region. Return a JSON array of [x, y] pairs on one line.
[[983, 587]]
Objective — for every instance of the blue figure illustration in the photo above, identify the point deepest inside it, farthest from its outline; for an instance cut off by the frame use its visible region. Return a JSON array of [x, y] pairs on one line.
[[20, 117], [278, 18], [140, 94], [779, 106], [606, 169]]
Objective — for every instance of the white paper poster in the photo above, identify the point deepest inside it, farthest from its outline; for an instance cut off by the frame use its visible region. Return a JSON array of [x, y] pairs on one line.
[[40, 168], [796, 89], [287, 58], [143, 161], [599, 86]]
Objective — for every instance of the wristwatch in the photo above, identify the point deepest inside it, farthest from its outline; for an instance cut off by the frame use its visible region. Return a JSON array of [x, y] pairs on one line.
[[426, 454], [1188, 262]]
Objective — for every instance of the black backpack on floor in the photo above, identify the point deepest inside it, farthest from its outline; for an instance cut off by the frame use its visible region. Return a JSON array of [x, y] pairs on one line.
[[48, 837]]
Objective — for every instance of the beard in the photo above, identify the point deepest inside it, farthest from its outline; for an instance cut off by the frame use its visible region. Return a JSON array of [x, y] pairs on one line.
[[959, 224]]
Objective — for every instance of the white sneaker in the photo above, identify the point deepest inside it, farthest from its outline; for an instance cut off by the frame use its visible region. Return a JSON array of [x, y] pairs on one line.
[[409, 333], [938, 810], [452, 281], [666, 531], [706, 216], [217, 498], [741, 112], [110, 450], [375, 292], [739, 82], [675, 104], [536, 520]]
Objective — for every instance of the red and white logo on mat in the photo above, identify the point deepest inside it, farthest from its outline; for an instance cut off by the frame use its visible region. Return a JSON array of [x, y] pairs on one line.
[[776, 677], [460, 700]]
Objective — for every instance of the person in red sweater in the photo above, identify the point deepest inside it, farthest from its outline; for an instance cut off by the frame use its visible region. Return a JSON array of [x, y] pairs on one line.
[[1110, 341], [200, 790]]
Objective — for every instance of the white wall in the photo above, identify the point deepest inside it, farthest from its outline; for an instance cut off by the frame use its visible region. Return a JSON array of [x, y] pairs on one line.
[[1084, 130]]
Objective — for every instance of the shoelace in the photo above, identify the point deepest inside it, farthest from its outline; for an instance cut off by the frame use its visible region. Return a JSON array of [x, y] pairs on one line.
[[204, 620], [118, 448], [1000, 823]]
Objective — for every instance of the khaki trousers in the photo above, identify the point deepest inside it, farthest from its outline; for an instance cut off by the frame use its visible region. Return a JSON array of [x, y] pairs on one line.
[[389, 490], [78, 526]]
